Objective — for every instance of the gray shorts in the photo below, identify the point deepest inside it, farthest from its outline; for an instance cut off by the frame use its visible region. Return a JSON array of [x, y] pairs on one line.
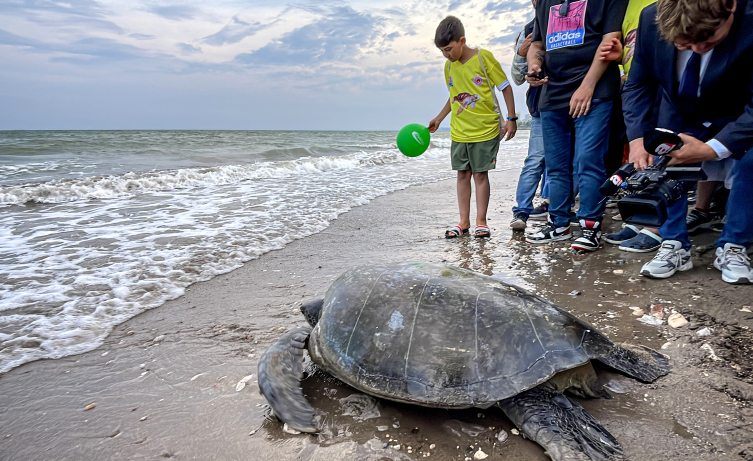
[[474, 156], [720, 170]]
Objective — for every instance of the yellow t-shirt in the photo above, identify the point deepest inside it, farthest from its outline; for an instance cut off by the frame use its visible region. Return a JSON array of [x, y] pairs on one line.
[[629, 30], [473, 117]]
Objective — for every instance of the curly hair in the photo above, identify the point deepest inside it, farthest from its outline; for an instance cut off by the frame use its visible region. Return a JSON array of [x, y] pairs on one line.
[[691, 21], [449, 30]]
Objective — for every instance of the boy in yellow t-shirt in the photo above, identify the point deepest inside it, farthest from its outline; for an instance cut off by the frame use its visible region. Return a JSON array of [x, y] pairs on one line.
[[471, 75]]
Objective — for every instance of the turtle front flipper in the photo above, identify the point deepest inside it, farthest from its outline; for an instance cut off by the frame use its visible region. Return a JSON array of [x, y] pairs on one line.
[[561, 426], [280, 373], [638, 362]]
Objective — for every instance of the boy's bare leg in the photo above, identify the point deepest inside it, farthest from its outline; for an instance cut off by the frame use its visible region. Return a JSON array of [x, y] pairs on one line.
[[705, 194], [464, 198], [482, 196]]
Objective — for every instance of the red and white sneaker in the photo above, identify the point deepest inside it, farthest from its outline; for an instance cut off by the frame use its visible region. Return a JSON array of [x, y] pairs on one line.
[[590, 236]]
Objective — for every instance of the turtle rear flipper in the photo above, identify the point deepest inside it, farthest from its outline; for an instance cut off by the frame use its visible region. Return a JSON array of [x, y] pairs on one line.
[[561, 426], [638, 362], [280, 372]]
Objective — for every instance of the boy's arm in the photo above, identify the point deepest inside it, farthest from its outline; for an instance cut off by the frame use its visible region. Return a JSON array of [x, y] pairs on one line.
[[580, 102], [434, 123], [511, 126]]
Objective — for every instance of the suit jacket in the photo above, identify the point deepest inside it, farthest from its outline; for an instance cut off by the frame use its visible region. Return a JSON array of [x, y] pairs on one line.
[[726, 89]]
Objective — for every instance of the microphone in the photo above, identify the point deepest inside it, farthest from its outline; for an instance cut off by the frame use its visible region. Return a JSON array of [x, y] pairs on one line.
[[661, 141], [613, 184]]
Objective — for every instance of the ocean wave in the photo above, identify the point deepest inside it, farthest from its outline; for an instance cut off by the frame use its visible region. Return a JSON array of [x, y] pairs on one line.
[[134, 183]]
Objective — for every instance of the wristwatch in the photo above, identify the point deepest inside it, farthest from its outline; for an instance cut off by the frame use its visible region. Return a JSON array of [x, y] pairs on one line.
[[512, 119]]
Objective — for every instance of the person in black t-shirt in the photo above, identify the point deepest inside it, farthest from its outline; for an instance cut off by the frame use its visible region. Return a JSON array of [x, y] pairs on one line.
[[575, 106]]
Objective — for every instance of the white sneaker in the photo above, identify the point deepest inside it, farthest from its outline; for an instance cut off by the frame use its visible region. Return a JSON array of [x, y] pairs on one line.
[[734, 263], [670, 258]]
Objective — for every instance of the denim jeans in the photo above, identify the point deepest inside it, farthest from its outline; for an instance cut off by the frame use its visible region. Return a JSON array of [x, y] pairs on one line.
[[533, 170], [739, 226], [584, 158]]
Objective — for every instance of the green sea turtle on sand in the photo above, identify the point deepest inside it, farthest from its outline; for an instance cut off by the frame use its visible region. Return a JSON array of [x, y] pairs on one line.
[[439, 336]]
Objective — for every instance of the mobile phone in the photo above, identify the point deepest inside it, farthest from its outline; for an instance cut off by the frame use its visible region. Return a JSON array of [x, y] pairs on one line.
[[534, 76]]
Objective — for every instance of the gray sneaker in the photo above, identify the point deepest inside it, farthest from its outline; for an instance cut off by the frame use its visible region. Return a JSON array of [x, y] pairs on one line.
[[734, 263], [670, 258], [518, 222]]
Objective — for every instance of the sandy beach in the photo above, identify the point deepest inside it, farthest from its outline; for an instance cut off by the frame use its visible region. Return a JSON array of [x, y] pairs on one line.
[[163, 385]]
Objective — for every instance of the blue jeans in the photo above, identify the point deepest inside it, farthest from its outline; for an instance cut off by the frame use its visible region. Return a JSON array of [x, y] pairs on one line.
[[584, 158], [739, 226], [533, 169]]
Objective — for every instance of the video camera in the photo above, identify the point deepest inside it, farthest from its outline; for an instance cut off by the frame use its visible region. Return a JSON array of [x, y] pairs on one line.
[[657, 187]]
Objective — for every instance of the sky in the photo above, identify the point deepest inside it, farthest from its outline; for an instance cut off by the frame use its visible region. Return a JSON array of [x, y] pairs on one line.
[[247, 65]]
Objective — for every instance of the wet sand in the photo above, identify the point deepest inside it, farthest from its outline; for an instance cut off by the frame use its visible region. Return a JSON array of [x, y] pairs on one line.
[[164, 383]]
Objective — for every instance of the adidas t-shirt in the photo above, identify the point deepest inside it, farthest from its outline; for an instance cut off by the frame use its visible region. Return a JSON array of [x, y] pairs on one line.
[[472, 116], [571, 42]]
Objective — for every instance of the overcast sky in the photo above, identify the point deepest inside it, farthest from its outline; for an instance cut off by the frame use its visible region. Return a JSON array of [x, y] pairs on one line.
[[223, 64]]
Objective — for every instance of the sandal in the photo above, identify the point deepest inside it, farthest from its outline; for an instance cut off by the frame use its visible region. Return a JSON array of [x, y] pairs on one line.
[[455, 232], [482, 232], [645, 242], [627, 232]]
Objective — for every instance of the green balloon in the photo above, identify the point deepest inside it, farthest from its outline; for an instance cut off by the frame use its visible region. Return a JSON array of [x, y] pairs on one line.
[[413, 139]]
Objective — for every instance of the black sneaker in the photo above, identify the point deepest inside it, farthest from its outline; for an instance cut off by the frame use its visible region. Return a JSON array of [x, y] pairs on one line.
[[698, 220], [590, 236], [518, 223], [540, 211], [549, 233]]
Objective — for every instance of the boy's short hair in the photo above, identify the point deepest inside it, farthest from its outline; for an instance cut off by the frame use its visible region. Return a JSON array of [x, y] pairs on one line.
[[691, 21], [449, 30]]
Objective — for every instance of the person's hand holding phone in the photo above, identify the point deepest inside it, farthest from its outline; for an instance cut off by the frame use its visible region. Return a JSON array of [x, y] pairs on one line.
[[533, 77]]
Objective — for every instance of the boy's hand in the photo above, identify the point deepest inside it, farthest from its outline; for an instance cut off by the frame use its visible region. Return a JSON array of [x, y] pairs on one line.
[[610, 50], [509, 130], [434, 124], [580, 102], [523, 50], [535, 69]]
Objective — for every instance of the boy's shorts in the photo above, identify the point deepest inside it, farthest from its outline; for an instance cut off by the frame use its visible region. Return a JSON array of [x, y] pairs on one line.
[[474, 156]]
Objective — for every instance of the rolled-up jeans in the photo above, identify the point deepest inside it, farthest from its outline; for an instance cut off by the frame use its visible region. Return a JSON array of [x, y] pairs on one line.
[[584, 157], [532, 172]]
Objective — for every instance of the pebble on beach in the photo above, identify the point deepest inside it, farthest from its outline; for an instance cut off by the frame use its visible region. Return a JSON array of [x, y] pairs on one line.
[[514, 432], [90, 406], [480, 455], [502, 436], [677, 320], [706, 331], [242, 383]]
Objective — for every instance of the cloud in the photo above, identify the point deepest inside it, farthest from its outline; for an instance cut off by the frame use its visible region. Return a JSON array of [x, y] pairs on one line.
[[186, 48], [87, 13], [235, 31], [175, 12], [337, 36], [141, 36]]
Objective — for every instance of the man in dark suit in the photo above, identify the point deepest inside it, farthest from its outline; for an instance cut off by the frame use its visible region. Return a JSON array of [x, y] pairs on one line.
[[698, 54]]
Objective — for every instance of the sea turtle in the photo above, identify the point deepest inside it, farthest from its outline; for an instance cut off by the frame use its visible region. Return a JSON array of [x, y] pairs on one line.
[[439, 336]]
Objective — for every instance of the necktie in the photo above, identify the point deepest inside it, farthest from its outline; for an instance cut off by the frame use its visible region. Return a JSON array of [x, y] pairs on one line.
[[691, 78]]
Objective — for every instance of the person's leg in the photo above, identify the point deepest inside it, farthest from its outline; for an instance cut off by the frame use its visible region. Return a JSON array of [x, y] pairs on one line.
[[533, 167], [558, 125], [481, 180], [739, 227], [591, 145], [464, 198], [675, 227], [731, 254]]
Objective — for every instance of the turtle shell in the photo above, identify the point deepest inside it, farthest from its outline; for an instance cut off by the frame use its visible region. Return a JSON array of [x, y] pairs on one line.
[[439, 336]]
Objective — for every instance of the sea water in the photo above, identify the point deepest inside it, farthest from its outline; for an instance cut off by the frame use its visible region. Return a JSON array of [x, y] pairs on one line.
[[98, 226]]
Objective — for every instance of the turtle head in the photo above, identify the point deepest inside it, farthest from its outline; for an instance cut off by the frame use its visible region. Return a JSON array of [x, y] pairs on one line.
[[312, 310]]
